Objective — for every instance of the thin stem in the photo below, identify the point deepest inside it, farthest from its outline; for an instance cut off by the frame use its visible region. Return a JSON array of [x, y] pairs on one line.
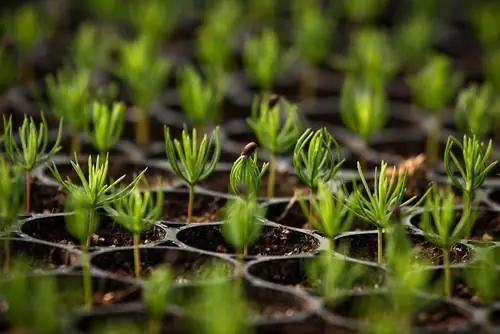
[[6, 250], [432, 145], [28, 191], [87, 279], [488, 310], [76, 143], [245, 250], [142, 128], [380, 246], [190, 204], [154, 325], [271, 180], [137, 256], [447, 273]]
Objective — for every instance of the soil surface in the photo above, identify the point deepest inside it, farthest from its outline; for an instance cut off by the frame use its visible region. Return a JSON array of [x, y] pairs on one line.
[[206, 208], [46, 198], [286, 184], [442, 318], [43, 257], [273, 241]]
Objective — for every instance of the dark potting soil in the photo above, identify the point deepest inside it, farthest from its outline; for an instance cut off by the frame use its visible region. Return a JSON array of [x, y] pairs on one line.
[[443, 318], [286, 184], [109, 234], [273, 241], [46, 198], [273, 310], [206, 208]]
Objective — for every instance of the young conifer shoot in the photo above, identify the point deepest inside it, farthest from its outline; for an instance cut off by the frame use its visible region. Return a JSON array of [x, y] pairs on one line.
[[145, 74], [245, 176], [193, 160], [29, 149], [475, 167], [11, 204], [327, 213], [68, 95], [105, 127], [375, 204], [156, 295], [440, 226], [277, 126], [433, 88], [137, 212]]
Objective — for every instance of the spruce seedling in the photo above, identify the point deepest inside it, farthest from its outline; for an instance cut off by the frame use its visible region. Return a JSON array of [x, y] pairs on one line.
[[193, 160], [327, 213], [375, 204], [440, 226], [156, 295], [30, 148], [484, 19], [363, 109], [312, 35], [137, 212], [277, 126], [265, 59], [11, 204], [474, 169], [200, 99], [433, 88], [105, 126], [91, 47], [145, 74], [475, 109], [245, 175], [362, 11], [68, 95], [413, 40]]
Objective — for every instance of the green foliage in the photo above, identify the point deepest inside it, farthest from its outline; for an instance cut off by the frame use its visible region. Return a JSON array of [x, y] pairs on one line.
[[491, 65], [11, 195], [363, 108], [83, 222], [476, 162], [8, 75], [200, 99], [316, 157], [413, 40], [138, 210], [277, 127], [484, 19], [106, 10], [370, 57], [476, 108], [363, 10], [92, 46], [242, 222], [245, 175], [30, 148], [327, 213], [156, 295], [68, 95], [313, 31], [193, 160], [105, 127], [265, 59], [435, 84], [262, 11], [483, 276], [331, 276]]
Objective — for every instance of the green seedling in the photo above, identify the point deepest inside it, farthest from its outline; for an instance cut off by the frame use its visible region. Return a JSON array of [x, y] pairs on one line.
[[362, 11], [312, 35], [375, 204], [68, 95], [242, 224], [474, 169], [413, 40], [32, 302], [156, 295], [364, 110], [193, 160], [475, 109], [137, 212], [265, 59], [327, 213], [261, 12], [246, 175], [491, 65], [108, 11], [483, 277], [92, 47], [105, 126], [8, 75], [145, 74], [29, 149], [11, 204], [331, 276], [433, 89], [316, 158], [440, 226], [370, 58], [85, 200], [484, 20], [277, 126], [200, 99]]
